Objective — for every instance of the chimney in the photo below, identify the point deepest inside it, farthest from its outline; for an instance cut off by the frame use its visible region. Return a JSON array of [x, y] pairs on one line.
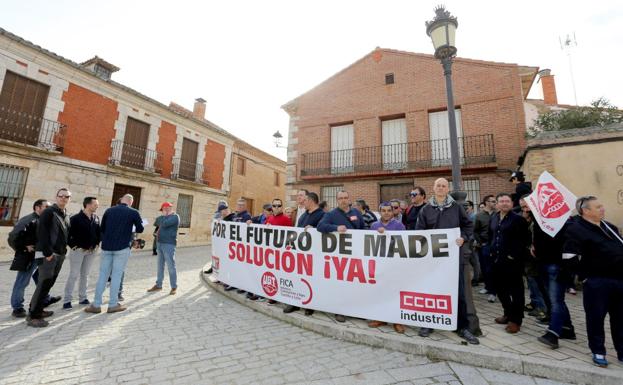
[[199, 109], [549, 87]]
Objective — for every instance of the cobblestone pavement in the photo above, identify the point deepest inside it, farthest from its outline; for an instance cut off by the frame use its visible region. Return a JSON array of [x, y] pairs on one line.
[[199, 337]]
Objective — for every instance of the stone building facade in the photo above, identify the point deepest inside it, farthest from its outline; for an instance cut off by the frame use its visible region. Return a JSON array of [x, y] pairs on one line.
[[380, 126]]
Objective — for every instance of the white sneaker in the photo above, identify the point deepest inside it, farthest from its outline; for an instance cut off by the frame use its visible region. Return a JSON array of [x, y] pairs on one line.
[[483, 291], [491, 298]]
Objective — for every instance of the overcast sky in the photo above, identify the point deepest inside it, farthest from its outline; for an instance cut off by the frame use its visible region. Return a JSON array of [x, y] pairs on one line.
[[247, 58]]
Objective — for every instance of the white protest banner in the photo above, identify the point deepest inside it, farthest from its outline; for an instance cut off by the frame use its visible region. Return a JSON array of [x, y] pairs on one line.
[[405, 277], [551, 203]]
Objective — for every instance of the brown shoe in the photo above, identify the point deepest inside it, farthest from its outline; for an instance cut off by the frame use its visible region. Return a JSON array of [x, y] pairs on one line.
[[116, 309], [93, 309], [36, 322], [503, 320], [376, 324], [512, 328], [400, 329], [153, 289], [173, 291], [46, 313]]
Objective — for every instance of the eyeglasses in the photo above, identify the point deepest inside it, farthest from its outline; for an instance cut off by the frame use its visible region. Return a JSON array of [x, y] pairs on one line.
[[414, 194], [492, 201], [580, 203], [64, 196], [277, 205], [395, 207]]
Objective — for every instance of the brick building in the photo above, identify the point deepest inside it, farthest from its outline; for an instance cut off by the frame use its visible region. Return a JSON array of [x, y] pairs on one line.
[[380, 126], [64, 124]]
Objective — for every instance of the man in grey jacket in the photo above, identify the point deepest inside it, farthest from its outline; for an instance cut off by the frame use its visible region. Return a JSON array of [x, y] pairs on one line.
[[168, 224], [443, 212]]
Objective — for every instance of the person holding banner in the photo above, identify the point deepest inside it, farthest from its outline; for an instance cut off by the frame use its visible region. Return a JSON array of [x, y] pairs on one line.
[[443, 212], [387, 222], [595, 247], [341, 219], [510, 239]]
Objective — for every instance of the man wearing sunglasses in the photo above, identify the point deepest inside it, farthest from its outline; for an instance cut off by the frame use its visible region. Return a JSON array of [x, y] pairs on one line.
[[52, 236], [418, 200], [278, 218]]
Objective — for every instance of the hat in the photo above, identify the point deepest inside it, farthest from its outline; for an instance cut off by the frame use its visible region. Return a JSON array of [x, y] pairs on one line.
[[165, 204], [516, 174], [222, 206], [268, 206]]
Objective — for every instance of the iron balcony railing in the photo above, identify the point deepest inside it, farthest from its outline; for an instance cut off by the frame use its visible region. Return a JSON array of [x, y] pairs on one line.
[[27, 129], [137, 157], [189, 171], [403, 157]]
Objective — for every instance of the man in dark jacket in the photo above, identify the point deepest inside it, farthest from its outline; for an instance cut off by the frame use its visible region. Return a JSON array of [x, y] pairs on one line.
[[368, 216], [510, 239], [118, 225], [443, 212], [23, 239], [596, 248], [481, 245], [52, 236], [341, 219], [418, 200], [522, 188], [241, 214]]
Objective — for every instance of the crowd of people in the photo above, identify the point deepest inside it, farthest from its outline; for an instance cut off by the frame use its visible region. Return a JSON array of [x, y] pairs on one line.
[[501, 246], [43, 239]]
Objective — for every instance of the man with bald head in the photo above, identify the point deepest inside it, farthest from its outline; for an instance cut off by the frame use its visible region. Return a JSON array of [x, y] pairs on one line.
[[117, 228], [443, 212]]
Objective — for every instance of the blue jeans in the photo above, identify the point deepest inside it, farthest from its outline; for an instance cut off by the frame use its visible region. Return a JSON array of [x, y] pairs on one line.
[[166, 253], [486, 266], [112, 264], [555, 287], [536, 298], [21, 282]]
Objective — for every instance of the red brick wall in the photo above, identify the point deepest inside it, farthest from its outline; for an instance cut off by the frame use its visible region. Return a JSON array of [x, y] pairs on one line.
[[167, 136], [214, 164], [90, 120]]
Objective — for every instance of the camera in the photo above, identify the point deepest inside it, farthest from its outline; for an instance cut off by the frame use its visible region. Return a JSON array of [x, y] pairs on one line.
[[138, 243]]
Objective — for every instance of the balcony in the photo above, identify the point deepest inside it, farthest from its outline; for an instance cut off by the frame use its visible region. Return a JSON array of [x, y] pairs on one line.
[[25, 129], [136, 157], [399, 158], [189, 171]]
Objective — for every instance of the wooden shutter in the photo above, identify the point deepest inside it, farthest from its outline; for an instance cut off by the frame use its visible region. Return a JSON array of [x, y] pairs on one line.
[[394, 144], [342, 143], [135, 144], [188, 164], [121, 189], [440, 136], [22, 104]]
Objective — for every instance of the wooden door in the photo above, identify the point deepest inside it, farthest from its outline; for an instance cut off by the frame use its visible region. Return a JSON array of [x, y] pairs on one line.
[[121, 189], [188, 163], [135, 144], [22, 104]]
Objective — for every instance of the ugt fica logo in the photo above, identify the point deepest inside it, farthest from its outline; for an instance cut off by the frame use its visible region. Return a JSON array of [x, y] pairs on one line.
[[269, 284], [551, 201]]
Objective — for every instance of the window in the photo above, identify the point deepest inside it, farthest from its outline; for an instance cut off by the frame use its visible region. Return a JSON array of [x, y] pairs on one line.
[[12, 182], [440, 137], [389, 78], [342, 143], [188, 163], [102, 72], [276, 178], [472, 188], [184, 209], [121, 189], [329, 194], [241, 166], [135, 141], [394, 144], [396, 191]]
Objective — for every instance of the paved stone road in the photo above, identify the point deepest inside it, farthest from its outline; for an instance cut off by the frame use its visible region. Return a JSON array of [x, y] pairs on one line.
[[199, 337]]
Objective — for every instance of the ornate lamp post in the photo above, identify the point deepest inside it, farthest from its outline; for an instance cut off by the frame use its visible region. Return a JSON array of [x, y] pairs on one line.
[[441, 31]]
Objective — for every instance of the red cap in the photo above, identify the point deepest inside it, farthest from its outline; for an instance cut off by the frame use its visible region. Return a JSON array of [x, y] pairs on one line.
[[165, 204]]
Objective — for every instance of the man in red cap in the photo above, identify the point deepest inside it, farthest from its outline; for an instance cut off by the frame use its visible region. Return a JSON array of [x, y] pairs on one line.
[[168, 224]]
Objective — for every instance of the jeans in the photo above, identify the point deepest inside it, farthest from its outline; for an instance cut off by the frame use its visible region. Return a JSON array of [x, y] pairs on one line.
[[486, 265], [555, 286], [48, 272], [80, 261], [603, 296], [536, 297], [21, 282], [166, 253], [112, 264]]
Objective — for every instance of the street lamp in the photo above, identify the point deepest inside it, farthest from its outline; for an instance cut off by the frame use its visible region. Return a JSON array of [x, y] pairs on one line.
[[441, 31], [277, 135]]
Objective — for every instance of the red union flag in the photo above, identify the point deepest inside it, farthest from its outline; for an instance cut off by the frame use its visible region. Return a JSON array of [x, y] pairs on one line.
[[551, 203]]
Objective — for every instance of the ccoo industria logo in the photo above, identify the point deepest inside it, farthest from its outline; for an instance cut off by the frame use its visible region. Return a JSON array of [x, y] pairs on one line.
[[428, 303]]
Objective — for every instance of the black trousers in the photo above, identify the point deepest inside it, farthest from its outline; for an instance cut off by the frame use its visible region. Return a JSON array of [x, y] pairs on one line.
[[603, 296], [48, 272], [508, 278], [462, 320]]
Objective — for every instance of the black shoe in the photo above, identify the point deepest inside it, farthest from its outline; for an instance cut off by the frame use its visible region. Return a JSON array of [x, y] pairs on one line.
[[544, 320], [340, 318], [252, 297], [468, 336], [272, 302], [240, 291], [475, 284], [229, 288], [477, 332], [52, 300], [154, 253], [84, 302], [209, 271], [536, 312], [550, 339], [528, 307], [309, 312], [19, 313], [290, 309], [425, 332], [567, 333], [120, 298]]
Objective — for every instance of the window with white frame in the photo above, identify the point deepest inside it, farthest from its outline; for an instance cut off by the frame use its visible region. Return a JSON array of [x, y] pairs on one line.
[[394, 144], [184, 209]]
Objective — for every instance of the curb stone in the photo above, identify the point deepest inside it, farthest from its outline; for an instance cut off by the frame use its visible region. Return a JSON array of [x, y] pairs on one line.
[[435, 350]]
